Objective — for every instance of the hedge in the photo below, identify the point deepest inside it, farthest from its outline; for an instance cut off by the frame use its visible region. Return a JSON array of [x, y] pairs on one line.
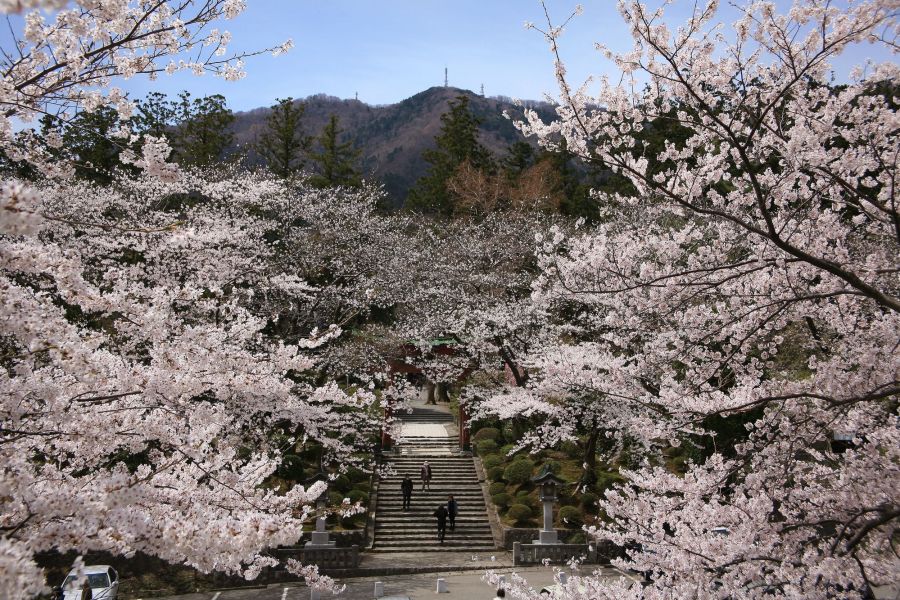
[[497, 488], [519, 471], [492, 460], [486, 433], [358, 496], [570, 517], [502, 499], [486, 447], [519, 513], [495, 474]]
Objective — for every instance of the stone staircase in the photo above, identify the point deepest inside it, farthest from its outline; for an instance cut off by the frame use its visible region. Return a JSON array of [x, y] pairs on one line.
[[426, 437]]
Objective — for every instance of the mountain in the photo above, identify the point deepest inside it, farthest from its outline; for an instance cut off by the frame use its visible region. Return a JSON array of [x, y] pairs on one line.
[[392, 137]]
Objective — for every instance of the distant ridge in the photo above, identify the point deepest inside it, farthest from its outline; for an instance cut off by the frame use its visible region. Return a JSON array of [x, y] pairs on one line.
[[392, 137]]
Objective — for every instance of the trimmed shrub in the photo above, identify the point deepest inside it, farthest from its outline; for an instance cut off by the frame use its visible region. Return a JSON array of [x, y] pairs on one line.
[[606, 479], [577, 538], [342, 484], [571, 449], [519, 471], [497, 488], [486, 447], [486, 433], [519, 513], [495, 474], [505, 450], [357, 475], [502, 499], [527, 499], [358, 496], [291, 468], [492, 460], [589, 501], [570, 517]]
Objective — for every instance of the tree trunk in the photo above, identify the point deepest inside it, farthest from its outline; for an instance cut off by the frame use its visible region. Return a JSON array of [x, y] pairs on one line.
[[443, 395], [430, 387], [589, 464]]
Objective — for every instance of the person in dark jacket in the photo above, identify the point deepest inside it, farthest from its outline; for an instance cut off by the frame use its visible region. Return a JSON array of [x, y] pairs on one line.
[[441, 515], [452, 511], [406, 486]]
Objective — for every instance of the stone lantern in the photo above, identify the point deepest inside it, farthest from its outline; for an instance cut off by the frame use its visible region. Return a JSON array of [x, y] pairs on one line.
[[319, 537], [549, 485]]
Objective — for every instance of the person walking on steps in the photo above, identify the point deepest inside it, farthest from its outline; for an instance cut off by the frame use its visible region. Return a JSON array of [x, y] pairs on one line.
[[406, 486], [441, 515], [452, 511], [425, 473]]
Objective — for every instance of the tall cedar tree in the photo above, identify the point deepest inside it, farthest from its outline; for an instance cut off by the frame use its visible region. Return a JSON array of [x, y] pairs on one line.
[[155, 115], [456, 143], [283, 145], [204, 131], [336, 161], [87, 141]]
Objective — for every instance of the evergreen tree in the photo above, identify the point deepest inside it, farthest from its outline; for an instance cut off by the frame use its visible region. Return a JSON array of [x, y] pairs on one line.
[[87, 142], [204, 129], [284, 145], [155, 115], [519, 157], [456, 143], [336, 161]]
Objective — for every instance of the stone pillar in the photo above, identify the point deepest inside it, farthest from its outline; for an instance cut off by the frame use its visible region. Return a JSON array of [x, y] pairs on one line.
[[548, 535], [319, 537]]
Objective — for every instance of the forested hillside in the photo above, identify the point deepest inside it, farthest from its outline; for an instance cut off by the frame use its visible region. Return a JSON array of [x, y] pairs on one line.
[[392, 137]]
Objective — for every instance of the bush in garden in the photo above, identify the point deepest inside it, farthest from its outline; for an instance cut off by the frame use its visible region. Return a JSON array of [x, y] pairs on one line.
[[519, 471], [486, 447], [357, 475], [507, 449], [486, 433], [519, 513], [571, 517], [577, 538], [589, 501], [527, 499], [291, 468], [495, 474], [492, 460], [497, 488], [358, 496], [342, 484], [502, 499], [606, 479], [571, 449]]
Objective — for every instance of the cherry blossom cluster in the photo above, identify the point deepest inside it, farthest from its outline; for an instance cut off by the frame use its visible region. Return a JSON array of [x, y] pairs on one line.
[[752, 273], [66, 57], [143, 383]]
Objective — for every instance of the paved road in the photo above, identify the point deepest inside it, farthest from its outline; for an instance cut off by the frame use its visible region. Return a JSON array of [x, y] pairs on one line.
[[462, 586]]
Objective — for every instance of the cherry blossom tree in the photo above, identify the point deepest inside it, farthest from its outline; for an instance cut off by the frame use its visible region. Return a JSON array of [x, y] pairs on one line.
[[751, 275], [142, 380], [67, 57]]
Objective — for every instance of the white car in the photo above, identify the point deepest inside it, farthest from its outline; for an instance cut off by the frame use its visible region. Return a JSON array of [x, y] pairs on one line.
[[103, 579]]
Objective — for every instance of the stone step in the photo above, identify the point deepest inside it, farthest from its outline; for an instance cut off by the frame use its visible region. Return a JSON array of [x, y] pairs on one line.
[[449, 544], [438, 548]]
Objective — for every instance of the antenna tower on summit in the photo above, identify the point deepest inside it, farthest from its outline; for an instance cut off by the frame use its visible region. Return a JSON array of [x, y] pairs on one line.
[[446, 81]]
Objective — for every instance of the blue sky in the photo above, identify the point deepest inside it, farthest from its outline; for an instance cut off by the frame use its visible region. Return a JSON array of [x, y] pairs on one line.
[[389, 50]]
